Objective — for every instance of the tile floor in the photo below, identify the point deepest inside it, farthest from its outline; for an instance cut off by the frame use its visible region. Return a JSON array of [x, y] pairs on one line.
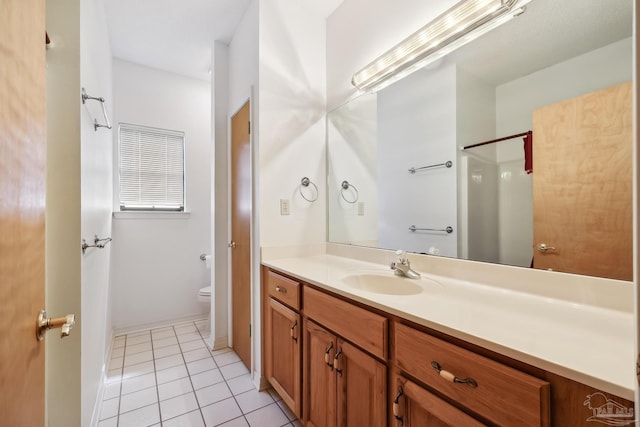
[[168, 377]]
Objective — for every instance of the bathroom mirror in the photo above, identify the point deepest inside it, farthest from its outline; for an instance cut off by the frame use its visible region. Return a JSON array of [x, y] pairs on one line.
[[398, 177]]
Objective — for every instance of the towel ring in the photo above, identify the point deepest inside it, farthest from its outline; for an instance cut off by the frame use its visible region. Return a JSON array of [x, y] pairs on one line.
[[345, 186], [305, 182]]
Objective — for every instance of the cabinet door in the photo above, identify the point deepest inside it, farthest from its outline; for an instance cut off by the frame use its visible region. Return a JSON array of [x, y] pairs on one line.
[[362, 388], [320, 378], [283, 363], [414, 406]]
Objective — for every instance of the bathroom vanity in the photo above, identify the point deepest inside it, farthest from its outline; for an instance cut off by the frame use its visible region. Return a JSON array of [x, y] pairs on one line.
[[347, 343]]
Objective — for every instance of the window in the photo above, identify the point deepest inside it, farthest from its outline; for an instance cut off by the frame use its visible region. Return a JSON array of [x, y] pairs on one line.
[[151, 169]]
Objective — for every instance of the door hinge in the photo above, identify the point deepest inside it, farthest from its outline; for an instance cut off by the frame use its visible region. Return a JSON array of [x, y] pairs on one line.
[[249, 329], [249, 128]]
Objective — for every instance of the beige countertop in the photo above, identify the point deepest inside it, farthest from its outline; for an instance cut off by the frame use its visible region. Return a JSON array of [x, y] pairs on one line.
[[590, 343]]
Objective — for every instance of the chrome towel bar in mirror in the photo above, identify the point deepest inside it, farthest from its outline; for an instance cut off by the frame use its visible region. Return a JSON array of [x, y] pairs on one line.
[[305, 182], [345, 186], [97, 125]]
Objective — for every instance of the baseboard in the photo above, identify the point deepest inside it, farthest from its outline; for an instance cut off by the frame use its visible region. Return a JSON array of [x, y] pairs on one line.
[[97, 405], [220, 342], [159, 324]]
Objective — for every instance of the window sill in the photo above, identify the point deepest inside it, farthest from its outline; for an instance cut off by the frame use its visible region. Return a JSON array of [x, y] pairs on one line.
[[150, 215]]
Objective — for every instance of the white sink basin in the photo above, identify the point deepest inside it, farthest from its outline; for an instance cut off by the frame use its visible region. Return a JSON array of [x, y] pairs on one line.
[[387, 284]]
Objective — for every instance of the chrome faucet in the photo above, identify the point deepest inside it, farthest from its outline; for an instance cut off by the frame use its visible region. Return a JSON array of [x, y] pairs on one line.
[[402, 266]]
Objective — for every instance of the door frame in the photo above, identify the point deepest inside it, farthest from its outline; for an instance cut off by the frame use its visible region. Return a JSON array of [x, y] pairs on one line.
[[254, 248]]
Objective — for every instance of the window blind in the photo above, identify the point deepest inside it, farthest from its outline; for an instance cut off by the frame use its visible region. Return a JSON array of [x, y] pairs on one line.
[[151, 163]]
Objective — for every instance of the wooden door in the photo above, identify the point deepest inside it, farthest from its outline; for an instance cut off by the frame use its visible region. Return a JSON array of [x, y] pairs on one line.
[[241, 234], [582, 184], [414, 406], [362, 388], [320, 377], [282, 345], [22, 209]]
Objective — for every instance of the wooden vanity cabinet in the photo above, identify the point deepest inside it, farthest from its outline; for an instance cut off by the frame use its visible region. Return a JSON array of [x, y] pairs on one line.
[[344, 386], [414, 406], [283, 328]]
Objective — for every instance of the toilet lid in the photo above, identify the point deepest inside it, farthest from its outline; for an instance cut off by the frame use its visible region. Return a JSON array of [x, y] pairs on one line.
[[205, 291]]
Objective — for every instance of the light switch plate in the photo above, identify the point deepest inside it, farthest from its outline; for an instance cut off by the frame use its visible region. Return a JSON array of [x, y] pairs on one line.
[[360, 208], [284, 206]]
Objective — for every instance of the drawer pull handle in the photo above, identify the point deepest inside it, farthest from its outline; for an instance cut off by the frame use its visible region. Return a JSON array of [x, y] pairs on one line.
[[327, 355], [398, 409], [283, 290], [294, 336], [336, 362], [452, 378]]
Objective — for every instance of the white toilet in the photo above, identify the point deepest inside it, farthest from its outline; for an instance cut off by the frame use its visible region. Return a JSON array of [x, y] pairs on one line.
[[204, 295]]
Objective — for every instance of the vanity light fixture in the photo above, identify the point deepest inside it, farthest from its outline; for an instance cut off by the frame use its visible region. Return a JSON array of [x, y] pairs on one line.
[[464, 22]]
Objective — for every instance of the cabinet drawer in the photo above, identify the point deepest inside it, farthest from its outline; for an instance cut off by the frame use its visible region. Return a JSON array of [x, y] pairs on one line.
[[503, 395], [363, 328], [283, 289]]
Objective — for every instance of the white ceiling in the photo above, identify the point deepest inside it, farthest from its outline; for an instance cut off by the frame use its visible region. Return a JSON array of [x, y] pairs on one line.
[[177, 35], [550, 31], [172, 35]]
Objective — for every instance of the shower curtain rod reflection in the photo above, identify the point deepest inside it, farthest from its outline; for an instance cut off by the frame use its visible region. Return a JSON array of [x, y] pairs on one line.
[[498, 140]]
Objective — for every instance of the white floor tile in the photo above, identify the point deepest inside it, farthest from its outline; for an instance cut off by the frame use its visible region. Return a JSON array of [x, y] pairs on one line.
[[207, 378], [131, 385], [109, 408], [174, 388], [142, 417], [116, 363], [186, 328], [269, 416], [178, 405], [166, 351], [162, 333], [117, 352], [237, 422], [110, 422], [138, 399], [138, 358], [200, 366], [192, 345], [296, 423], [201, 353], [111, 390], [220, 412], [169, 361], [138, 369], [191, 336], [191, 419], [138, 339], [233, 370], [213, 393], [114, 376], [253, 399], [171, 374], [119, 342], [226, 358], [274, 394], [241, 384], [163, 342], [137, 348], [287, 411]]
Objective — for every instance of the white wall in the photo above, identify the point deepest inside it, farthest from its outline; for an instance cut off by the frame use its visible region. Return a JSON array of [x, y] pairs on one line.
[[416, 128], [96, 197], [156, 271], [361, 30], [220, 195], [352, 155], [63, 213]]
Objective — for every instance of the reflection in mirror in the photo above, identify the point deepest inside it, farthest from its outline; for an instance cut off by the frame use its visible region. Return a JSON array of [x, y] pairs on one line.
[[557, 70]]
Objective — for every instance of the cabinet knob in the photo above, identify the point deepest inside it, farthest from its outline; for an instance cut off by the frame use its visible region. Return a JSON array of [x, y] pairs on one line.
[[327, 355], [398, 408], [452, 378]]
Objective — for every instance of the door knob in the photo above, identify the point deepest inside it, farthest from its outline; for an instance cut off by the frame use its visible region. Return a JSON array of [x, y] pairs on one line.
[[232, 244], [542, 247], [44, 323]]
